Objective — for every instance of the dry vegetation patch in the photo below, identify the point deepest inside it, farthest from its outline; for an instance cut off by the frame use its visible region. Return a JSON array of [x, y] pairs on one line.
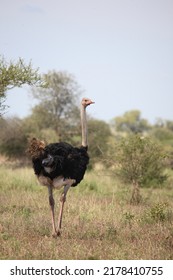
[[98, 223]]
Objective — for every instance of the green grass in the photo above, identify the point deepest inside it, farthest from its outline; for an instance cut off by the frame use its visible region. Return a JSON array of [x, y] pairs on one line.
[[98, 221]]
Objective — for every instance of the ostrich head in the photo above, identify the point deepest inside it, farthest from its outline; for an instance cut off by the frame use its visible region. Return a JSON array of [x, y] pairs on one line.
[[86, 101]]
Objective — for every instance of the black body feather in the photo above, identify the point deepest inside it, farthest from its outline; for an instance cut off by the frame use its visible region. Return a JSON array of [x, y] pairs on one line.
[[67, 161]]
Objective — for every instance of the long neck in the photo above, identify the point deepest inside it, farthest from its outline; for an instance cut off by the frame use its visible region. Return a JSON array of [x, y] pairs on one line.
[[84, 126]]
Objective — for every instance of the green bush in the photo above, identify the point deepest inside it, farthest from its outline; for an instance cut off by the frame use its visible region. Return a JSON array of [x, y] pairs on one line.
[[140, 162]]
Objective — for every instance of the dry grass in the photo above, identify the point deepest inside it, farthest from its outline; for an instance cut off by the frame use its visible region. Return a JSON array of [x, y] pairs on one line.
[[98, 222]]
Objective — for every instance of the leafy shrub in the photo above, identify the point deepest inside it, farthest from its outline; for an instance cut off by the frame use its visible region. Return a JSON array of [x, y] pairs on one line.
[[139, 161], [159, 212]]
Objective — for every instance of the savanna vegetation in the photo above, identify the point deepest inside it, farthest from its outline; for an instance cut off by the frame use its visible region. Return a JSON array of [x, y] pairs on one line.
[[99, 221], [123, 207]]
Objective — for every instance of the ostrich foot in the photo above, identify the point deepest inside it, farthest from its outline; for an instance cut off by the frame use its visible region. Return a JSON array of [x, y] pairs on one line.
[[56, 234]]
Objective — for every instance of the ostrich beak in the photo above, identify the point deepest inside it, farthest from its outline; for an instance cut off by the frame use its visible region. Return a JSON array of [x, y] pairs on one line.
[[92, 102]]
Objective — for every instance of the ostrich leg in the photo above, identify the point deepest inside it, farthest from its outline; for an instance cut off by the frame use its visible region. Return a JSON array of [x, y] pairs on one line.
[[62, 200], [52, 203]]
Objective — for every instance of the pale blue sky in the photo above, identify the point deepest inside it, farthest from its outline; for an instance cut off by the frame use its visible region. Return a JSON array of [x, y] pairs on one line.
[[120, 51]]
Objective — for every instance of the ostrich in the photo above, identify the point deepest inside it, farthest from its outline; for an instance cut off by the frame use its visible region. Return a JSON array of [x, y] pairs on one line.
[[60, 165]]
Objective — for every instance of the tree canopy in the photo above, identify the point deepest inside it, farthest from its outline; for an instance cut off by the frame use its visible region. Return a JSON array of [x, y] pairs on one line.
[[131, 121], [16, 74]]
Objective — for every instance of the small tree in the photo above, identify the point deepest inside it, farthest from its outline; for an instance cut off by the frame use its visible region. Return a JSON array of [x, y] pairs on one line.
[[58, 101], [140, 162]]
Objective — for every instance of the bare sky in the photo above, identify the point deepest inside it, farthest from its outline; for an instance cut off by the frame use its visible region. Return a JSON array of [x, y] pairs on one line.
[[120, 51]]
